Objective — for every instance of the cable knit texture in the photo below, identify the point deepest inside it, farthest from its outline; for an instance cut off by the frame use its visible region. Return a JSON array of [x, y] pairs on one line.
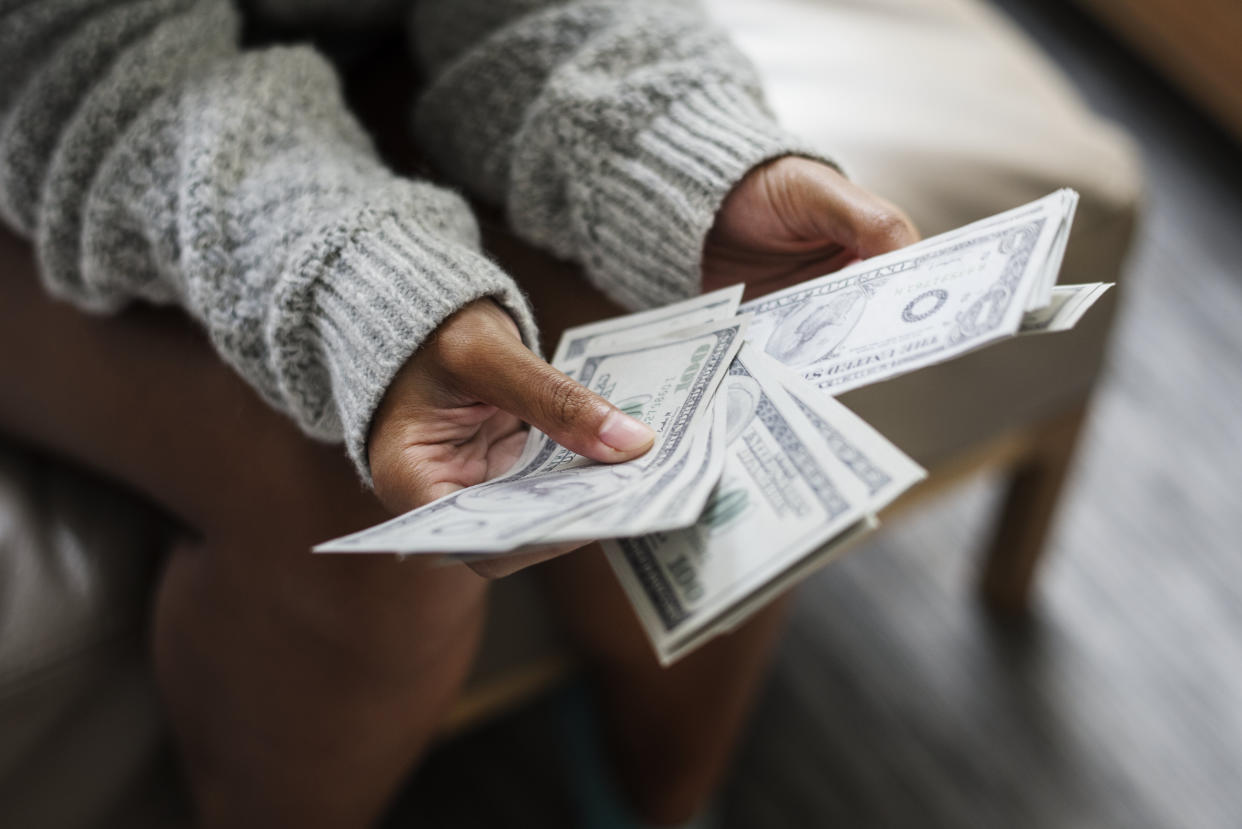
[[609, 130], [150, 158]]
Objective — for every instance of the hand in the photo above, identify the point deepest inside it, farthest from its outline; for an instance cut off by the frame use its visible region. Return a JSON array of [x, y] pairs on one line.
[[793, 219], [454, 414]]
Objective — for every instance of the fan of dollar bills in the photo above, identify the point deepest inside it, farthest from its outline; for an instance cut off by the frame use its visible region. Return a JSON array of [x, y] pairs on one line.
[[758, 476]]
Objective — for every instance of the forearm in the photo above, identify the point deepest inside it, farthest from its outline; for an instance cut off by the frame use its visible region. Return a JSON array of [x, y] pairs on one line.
[[610, 132], [150, 158]]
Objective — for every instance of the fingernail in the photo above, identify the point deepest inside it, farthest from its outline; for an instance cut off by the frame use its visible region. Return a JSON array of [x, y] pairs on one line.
[[624, 433]]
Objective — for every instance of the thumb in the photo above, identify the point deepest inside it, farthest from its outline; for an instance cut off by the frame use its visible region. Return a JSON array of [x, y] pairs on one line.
[[515, 380], [838, 209]]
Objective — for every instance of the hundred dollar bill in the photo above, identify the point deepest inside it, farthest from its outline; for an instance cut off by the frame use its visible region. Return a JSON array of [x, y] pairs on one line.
[[660, 499], [645, 325], [1065, 309], [668, 383], [673, 649], [916, 306], [671, 498], [783, 494], [883, 469]]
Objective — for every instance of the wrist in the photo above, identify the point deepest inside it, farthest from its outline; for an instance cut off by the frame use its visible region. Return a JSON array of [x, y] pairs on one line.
[[378, 294]]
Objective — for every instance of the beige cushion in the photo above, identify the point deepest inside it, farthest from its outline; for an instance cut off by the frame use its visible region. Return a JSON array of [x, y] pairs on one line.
[[944, 108], [939, 105]]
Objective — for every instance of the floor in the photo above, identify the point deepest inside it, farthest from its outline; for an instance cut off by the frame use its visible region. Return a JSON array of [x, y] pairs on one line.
[[895, 703]]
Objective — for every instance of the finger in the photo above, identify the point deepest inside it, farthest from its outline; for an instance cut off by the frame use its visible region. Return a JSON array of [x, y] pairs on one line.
[[842, 211], [572, 415], [504, 373]]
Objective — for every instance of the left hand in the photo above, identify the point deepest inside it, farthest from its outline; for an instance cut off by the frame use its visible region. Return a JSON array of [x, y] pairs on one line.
[[793, 219]]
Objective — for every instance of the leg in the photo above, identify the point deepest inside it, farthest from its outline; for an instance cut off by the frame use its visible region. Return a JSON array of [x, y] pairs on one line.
[[672, 730], [301, 687], [303, 697], [1026, 516]]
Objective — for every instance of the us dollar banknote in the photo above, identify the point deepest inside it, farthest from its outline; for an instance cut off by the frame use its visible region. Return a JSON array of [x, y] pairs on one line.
[[917, 306], [677, 500], [644, 325], [733, 617], [1066, 307], [670, 498], [669, 383], [789, 485]]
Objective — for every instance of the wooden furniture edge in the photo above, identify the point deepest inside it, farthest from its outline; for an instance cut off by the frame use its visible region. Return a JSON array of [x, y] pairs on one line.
[[1195, 43]]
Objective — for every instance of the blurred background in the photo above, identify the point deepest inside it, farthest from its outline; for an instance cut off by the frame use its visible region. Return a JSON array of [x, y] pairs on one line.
[[896, 700]]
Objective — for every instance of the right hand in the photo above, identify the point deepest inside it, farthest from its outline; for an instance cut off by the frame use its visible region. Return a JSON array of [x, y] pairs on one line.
[[453, 417], [794, 219]]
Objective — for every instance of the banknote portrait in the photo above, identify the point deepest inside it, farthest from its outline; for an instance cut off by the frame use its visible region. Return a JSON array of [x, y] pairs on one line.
[[742, 395], [814, 328]]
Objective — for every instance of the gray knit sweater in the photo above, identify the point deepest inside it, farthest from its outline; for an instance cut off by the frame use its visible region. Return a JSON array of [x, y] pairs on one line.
[[150, 158]]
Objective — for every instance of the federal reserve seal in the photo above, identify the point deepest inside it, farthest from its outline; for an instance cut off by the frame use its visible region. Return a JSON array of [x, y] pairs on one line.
[[924, 305]]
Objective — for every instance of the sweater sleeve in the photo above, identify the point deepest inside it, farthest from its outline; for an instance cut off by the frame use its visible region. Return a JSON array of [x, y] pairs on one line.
[[149, 158], [610, 131]]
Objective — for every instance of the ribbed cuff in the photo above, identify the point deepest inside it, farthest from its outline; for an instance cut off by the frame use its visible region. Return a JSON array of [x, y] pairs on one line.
[[385, 292], [654, 207]]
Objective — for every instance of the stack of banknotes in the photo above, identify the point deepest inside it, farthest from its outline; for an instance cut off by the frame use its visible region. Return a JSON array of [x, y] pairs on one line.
[[758, 476]]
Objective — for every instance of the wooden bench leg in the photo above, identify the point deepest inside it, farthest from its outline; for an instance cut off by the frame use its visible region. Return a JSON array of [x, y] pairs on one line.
[[1026, 516]]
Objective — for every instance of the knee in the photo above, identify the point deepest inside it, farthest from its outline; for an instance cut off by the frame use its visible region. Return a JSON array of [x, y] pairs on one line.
[[381, 614]]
